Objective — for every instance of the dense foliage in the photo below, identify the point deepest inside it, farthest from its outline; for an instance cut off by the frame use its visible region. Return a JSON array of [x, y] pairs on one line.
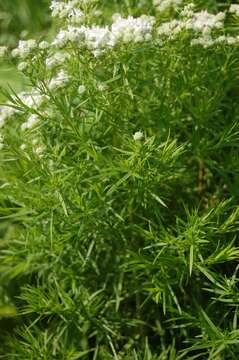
[[119, 185]]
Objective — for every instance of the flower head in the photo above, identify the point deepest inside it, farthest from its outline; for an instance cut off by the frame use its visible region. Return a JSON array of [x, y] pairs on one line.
[[138, 135]]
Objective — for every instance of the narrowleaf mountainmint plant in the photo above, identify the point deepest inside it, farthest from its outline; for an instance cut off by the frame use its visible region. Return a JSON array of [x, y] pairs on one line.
[[119, 185]]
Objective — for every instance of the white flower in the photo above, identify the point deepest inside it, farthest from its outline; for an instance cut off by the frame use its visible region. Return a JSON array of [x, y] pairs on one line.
[[39, 150], [57, 59], [32, 99], [171, 28], [6, 112], [234, 9], [23, 147], [44, 45], [204, 41], [15, 52], [138, 135], [116, 16], [61, 39], [221, 39], [68, 10], [3, 51], [76, 16], [231, 40], [164, 5], [203, 20], [201, 23], [35, 141], [81, 89], [98, 39], [32, 121], [22, 66], [24, 48], [24, 126], [59, 81], [2, 121], [102, 86], [131, 29], [188, 10]]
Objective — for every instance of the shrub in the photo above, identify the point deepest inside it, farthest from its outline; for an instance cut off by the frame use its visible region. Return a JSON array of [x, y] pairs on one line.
[[119, 173]]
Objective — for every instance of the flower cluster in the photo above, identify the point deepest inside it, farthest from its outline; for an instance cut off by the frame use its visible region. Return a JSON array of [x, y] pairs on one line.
[[60, 81], [205, 22], [24, 49], [200, 28], [164, 5], [234, 9], [198, 22], [132, 29], [56, 59], [68, 11], [138, 135], [199, 25], [97, 39], [29, 100], [207, 40], [3, 51], [81, 89], [6, 112], [31, 122]]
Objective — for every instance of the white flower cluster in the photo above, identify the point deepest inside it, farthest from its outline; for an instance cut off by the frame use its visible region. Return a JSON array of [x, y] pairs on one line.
[[3, 51], [188, 10], [93, 38], [207, 40], [68, 11], [204, 22], [164, 5], [132, 29], [60, 81], [138, 135], [32, 100], [5, 113], [56, 59], [36, 146], [171, 28], [227, 39], [24, 49], [81, 89], [198, 22], [22, 66], [43, 45], [199, 25], [97, 39], [234, 9], [101, 86], [31, 122]]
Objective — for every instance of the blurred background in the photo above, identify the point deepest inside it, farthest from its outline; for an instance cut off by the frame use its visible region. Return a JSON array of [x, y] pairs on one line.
[[20, 19]]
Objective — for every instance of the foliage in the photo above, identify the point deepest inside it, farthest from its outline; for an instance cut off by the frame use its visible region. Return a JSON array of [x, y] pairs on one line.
[[119, 178]]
